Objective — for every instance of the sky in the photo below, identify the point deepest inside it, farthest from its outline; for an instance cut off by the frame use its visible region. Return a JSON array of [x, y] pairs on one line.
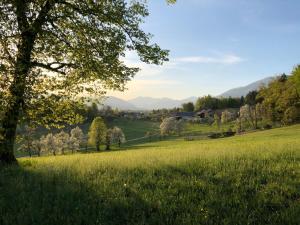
[[216, 45]]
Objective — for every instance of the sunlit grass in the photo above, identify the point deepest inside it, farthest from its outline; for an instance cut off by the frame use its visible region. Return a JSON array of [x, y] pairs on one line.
[[248, 179]]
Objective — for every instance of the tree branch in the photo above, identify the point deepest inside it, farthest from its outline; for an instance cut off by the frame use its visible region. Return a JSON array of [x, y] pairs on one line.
[[50, 67], [21, 15], [39, 21]]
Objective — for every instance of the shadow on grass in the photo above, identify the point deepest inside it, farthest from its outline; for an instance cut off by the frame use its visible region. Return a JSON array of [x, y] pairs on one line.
[[53, 198], [226, 192]]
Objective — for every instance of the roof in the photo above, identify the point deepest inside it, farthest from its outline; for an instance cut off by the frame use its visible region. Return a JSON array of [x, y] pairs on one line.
[[184, 114], [204, 111]]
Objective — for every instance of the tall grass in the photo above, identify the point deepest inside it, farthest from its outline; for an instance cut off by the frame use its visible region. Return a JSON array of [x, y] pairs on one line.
[[249, 179]]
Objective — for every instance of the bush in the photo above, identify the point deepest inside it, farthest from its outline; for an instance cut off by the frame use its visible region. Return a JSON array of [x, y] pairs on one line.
[[267, 126], [215, 135], [228, 133]]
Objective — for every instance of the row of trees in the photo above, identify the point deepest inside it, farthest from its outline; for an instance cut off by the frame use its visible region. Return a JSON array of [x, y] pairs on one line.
[[62, 142], [51, 143], [100, 134], [209, 102]]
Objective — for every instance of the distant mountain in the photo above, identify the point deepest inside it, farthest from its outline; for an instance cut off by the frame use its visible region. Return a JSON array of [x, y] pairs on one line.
[[190, 99], [243, 91], [118, 103], [148, 103]]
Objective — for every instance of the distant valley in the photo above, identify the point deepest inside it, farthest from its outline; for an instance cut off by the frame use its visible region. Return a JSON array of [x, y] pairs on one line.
[[149, 103]]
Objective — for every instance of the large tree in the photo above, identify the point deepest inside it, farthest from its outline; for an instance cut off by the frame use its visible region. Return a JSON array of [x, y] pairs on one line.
[[57, 49]]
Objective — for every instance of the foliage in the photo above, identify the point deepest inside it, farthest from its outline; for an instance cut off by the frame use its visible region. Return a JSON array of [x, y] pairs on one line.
[[27, 139], [250, 98], [247, 115], [76, 138], [97, 132], [226, 116], [217, 121], [108, 139], [296, 78], [209, 102], [55, 52], [49, 143], [118, 136], [171, 125], [280, 99], [37, 146], [62, 140], [291, 115], [188, 107]]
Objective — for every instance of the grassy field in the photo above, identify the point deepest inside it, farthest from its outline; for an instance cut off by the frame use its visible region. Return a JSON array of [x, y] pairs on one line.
[[248, 179]]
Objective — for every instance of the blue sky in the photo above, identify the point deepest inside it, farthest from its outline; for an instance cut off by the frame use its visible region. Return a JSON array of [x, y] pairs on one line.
[[216, 45]]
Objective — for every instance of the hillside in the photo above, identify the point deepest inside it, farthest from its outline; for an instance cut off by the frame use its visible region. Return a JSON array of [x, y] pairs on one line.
[[248, 179], [243, 91]]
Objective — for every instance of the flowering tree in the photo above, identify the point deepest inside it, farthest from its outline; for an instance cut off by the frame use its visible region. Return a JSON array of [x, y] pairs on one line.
[[62, 140], [226, 116], [118, 136], [37, 146], [49, 143], [171, 125], [76, 138]]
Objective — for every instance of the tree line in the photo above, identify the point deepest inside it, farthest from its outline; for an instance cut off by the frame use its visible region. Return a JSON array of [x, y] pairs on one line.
[[63, 142]]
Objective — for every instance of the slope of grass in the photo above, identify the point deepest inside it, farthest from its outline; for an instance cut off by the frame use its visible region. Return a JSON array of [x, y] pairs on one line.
[[249, 179], [135, 128]]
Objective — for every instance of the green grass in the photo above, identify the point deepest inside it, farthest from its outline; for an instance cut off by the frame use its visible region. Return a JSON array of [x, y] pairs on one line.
[[196, 128], [249, 179], [135, 128]]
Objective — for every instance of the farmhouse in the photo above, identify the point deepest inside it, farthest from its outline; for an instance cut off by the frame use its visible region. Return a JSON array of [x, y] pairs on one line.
[[204, 113], [184, 115]]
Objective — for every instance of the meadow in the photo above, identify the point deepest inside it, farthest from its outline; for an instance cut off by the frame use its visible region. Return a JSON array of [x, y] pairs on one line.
[[247, 179]]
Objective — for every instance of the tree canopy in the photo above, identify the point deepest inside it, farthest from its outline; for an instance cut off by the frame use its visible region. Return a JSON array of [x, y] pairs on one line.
[[59, 50], [97, 132]]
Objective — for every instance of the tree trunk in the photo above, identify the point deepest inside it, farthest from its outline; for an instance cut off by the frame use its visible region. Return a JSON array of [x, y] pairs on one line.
[[97, 147], [17, 88]]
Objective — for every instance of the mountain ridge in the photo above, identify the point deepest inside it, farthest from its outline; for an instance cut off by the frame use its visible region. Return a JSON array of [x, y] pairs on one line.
[[244, 90], [150, 103]]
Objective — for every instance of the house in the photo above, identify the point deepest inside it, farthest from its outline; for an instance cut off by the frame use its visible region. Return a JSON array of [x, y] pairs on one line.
[[205, 113], [184, 115]]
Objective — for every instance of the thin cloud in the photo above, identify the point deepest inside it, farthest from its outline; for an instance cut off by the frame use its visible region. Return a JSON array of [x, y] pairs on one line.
[[146, 70], [227, 59]]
